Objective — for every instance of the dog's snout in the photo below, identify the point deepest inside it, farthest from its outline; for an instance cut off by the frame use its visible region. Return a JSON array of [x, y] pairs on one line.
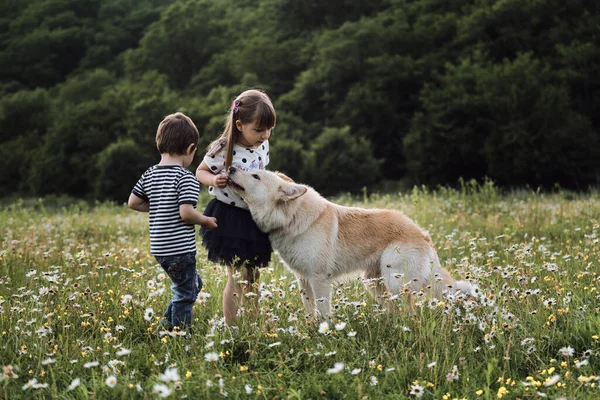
[[232, 170]]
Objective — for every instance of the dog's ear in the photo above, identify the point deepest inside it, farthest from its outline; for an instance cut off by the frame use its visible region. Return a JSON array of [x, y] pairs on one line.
[[284, 177], [292, 191]]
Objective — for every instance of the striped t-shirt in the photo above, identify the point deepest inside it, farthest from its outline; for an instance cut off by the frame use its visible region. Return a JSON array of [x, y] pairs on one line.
[[166, 187]]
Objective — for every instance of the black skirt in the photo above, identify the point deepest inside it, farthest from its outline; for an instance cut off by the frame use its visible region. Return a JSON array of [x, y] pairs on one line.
[[236, 241]]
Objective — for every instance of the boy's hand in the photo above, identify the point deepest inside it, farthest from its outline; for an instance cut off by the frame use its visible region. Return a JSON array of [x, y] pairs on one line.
[[209, 223], [220, 181]]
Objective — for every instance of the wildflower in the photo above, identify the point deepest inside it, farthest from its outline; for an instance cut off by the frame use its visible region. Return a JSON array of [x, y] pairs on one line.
[[274, 344], [170, 375], [351, 334], [340, 326], [453, 376], [552, 380], [431, 364], [209, 345], [337, 367], [324, 327], [373, 380], [44, 290], [581, 363], [150, 284], [355, 371], [248, 389], [416, 390], [502, 391], [211, 357], [8, 372], [123, 352], [149, 314], [111, 381], [209, 383], [74, 383], [567, 351], [162, 390], [161, 276], [202, 297], [126, 299], [48, 361], [91, 364]]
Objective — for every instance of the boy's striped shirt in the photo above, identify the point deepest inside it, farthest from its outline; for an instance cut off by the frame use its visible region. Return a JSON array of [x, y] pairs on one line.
[[166, 187]]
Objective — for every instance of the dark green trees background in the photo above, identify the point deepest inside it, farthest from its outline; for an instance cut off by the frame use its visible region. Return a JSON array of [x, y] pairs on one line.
[[367, 92]]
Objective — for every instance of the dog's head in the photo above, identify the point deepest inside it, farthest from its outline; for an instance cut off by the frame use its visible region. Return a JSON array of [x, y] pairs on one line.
[[261, 188]]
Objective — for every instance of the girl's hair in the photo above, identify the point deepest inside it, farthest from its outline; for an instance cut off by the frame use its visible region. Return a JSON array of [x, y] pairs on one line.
[[175, 133], [251, 106]]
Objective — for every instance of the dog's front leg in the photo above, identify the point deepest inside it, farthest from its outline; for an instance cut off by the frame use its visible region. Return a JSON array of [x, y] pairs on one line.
[[307, 295], [322, 288]]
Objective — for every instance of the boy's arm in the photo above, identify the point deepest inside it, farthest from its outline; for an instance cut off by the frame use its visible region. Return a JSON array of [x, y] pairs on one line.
[[137, 203], [191, 216]]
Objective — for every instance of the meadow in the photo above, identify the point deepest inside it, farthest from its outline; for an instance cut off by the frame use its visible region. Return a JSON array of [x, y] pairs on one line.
[[81, 298]]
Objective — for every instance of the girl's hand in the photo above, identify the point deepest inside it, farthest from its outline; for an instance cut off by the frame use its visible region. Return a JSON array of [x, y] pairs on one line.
[[220, 181]]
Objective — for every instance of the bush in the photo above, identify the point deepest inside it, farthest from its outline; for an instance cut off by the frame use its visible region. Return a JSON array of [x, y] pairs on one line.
[[119, 166], [342, 163]]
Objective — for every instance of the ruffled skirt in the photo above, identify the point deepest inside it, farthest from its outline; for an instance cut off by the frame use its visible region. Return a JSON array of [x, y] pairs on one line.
[[236, 241]]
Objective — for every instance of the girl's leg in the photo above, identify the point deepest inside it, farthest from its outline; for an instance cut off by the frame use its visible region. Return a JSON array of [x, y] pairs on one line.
[[229, 297], [234, 294]]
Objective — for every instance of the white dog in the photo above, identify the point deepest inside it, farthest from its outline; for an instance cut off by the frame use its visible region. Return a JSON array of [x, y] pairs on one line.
[[320, 241]]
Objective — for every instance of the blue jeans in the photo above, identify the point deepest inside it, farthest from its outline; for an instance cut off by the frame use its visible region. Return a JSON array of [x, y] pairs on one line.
[[185, 286]]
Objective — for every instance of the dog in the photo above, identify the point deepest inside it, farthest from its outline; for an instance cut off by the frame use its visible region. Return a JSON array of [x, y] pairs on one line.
[[321, 241]]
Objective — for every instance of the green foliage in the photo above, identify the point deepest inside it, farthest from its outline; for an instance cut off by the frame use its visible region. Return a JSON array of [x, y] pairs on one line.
[[118, 165], [342, 162], [440, 90], [532, 255]]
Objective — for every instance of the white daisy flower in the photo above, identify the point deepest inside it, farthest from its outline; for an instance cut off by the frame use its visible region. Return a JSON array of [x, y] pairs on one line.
[[337, 367], [74, 383], [111, 381], [210, 357]]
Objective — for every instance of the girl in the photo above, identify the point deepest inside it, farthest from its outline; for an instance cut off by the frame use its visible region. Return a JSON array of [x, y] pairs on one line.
[[237, 242]]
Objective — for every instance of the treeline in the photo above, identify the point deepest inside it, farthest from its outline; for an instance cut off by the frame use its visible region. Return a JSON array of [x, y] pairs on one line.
[[367, 92]]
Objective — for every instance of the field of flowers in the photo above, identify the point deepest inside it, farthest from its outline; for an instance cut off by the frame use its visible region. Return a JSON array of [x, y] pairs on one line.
[[81, 299]]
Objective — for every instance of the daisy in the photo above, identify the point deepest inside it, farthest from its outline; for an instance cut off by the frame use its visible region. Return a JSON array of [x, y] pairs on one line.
[[149, 314], [340, 326], [324, 327], [162, 390], [211, 357], [416, 390], [351, 334], [355, 371], [170, 375], [126, 299], [552, 380], [74, 383], [91, 364], [123, 352], [111, 381], [567, 351], [373, 380], [337, 367], [202, 297]]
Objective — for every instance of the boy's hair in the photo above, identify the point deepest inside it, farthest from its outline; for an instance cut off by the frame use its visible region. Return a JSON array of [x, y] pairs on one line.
[[175, 133], [251, 106]]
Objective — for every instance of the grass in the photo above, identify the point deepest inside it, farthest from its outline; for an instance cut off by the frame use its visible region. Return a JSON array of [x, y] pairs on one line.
[[80, 300]]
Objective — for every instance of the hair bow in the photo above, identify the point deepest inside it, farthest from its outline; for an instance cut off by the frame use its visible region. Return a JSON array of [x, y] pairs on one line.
[[236, 104]]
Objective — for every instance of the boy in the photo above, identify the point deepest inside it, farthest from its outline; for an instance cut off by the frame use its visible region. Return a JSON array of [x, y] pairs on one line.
[[169, 192]]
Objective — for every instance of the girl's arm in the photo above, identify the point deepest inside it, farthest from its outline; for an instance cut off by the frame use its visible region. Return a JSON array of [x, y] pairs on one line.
[[206, 177], [137, 203]]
